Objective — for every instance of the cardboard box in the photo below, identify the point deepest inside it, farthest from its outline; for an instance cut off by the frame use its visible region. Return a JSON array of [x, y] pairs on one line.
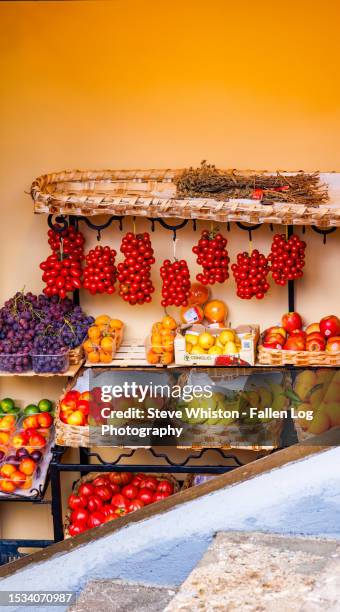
[[248, 335]]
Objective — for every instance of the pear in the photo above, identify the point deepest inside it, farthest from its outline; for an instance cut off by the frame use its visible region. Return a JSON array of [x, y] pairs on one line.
[[280, 401], [266, 398], [253, 398], [304, 382]]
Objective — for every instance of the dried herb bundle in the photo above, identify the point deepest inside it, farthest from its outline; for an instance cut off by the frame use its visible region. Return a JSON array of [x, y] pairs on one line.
[[207, 181]]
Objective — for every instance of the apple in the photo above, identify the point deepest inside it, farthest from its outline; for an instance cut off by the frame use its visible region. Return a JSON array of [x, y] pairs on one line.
[[274, 339], [291, 321], [272, 345], [333, 344], [315, 344], [276, 330], [313, 327], [295, 343], [330, 326], [76, 418]]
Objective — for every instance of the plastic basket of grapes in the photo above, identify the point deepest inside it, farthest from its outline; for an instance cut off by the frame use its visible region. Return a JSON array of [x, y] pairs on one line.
[[17, 362], [48, 363]]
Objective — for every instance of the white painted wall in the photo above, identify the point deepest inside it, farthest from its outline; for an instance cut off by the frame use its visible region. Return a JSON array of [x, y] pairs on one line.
[[300, 498]]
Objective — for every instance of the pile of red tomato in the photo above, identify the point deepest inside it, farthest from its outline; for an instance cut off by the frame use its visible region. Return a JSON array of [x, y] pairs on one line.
[[112, 495]]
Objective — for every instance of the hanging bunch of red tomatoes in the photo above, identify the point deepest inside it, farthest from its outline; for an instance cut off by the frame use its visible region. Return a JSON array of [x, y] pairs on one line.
[[250, 273], [213, 257], [287, 258], [134, 274], [175, 283], [62, 270], [100, 272]]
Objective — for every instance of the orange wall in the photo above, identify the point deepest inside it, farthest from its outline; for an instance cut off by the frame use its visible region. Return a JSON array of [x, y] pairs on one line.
[[133, 83]]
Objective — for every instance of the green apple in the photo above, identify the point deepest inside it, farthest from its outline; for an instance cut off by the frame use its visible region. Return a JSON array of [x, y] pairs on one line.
[[7, 404], [45, 405]]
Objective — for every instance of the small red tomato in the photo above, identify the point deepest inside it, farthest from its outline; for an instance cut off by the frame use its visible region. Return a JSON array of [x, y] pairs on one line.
[[79, 516], [145, 495], [108, 509], [136, 504], [77, 528], [130, 491], [119, 501], [95, 519], [86, 489], [158, 496], [75, 502], [104, 492], [151, 483], [164, 486], [94, 503]]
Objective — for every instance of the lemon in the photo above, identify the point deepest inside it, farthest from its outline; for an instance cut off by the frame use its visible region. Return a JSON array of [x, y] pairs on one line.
[[219, 343], [228, 335], [197, 350], [206, 340], [188, 347], [215, 350], [230, 348], [192, 338]]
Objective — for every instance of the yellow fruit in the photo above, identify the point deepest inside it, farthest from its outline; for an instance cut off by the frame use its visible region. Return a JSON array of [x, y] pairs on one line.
[[116, 324], [192, 338], [107, 344], [156, 328], [206, 340], [93, 357], [151, 357], [167, 358], [102, 320], [230, 348], [219, 343], [168, 322], [88, 346], [197, 350], [215, 350], [319, 424], [105, 357], [227, 335], [93, 333], [188, 347]]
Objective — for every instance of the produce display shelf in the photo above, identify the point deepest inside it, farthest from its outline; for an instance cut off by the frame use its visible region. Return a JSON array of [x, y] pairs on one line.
[[228, 461], [72, 371]]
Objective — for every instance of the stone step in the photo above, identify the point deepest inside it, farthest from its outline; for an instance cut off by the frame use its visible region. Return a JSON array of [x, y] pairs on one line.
[[257, 572], [121, 596]]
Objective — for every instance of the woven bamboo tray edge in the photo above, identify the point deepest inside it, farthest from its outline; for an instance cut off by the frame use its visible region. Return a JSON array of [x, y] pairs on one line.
[[276, 357]]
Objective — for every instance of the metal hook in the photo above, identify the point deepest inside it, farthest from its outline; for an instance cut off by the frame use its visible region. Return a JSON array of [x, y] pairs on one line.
[[194, 225], [152, 225], [248, 228], [99, 235], [271, 227], [324, 232], [228, 226], [60, 224]]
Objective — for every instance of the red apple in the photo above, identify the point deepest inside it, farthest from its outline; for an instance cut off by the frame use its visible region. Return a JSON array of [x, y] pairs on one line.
[[313, 327], [330, 326], [333, 344], [276, 330], [295, 343], [275, 339], [272, 345], [315, 344], [291, 321]]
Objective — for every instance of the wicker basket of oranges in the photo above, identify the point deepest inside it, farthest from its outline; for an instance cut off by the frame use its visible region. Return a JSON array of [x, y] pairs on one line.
[[103, 340], [160, 344]]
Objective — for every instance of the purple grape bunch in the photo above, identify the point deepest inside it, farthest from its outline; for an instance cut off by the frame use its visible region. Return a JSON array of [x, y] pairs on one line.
[[41, 329]]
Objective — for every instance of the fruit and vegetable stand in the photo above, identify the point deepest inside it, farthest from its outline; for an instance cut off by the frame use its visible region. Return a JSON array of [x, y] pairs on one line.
[[51, 334]]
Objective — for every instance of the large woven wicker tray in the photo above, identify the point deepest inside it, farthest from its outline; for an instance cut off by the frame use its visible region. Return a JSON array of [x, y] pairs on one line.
[[276, 357], [152, 193]]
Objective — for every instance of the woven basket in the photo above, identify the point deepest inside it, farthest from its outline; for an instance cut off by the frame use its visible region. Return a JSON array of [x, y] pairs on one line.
[[276, 357], [152, 193], [92, 475], [76, 355], [70, 435], [265, 436]]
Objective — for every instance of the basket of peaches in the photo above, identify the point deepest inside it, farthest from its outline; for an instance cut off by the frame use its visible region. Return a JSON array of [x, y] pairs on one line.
[[316, 344], [19, 465], [103, 340]]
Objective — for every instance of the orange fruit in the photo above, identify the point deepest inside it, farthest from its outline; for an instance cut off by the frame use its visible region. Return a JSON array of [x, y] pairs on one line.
[[27, 484], [169, 322], [93, 333], [156, 328], [105, 357], [215, 311], [107, 344], [93, 357], [116, 324], [152, 357], [199, 294], [7, 486], [167, 358], [102, 320], [7, 470], [18, 477], [4, 437], [88, 346]]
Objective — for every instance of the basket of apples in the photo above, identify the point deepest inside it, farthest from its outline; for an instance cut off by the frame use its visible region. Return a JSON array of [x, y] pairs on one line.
[[291, 344], [98, 498]]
